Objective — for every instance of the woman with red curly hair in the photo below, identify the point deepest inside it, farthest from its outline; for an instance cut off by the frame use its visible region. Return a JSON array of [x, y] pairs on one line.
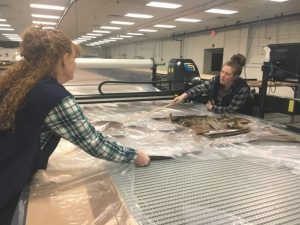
[[36, 111]]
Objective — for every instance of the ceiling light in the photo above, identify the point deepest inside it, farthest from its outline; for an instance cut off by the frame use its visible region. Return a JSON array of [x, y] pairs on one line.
[[135, 34], [221, 11], [145, 16], [93, 34], [3, 28], [164, 26], [278, 0], [107, 40], [87, 36], [188, 20], [4, 25], [125, 36], [15, 39], [116, 38], [45, 16], [10, 34], [45, 27], [85, 39], [147, 30], [43, 22], [164, 5], [52, 7], [2, 20], [101, 31], [48, 28], [122, 22], [110, 28]]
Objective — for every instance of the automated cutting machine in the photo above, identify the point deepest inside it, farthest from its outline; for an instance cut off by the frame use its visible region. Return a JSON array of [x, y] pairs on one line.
[[251, 178]]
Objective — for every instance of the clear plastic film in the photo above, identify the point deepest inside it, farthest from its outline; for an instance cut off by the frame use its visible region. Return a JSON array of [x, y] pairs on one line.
[[113, 63], [207, 180]]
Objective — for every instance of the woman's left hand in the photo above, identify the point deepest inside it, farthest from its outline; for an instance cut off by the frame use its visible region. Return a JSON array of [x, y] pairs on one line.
[[209, 106]]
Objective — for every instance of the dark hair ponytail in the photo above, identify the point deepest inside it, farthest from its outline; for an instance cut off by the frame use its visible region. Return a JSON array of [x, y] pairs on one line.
[[237, 62]]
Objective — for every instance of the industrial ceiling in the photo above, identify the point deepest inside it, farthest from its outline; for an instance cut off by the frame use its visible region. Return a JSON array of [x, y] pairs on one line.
[[82, 17]]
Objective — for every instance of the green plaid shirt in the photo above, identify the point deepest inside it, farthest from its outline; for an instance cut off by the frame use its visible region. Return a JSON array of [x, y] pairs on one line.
[[68, 121]]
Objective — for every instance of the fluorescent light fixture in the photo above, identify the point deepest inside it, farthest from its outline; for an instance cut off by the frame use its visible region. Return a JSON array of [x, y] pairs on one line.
[[221, 11], [84, 39], [52, 7], [108, 40], [136, 15], [116, 38], [45, 27], [110, 28], [189, 20], [164, 26], [278, 0], [164, 5], [93, 34], [102, 31], [125, 36], [147, 30], [135, 34], [43, 22], [77, 41], [87, 36], [2, 20], [45, 16], [48, 28], [122, 22], [3, 28], [4, 25], [10, 35]]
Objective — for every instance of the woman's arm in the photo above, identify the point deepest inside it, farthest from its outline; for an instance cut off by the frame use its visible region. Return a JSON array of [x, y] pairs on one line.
[[68, 121]]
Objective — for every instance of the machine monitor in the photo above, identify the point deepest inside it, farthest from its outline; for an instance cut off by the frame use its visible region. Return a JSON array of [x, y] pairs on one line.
[[182, 73], [285, 59], [189, 67]]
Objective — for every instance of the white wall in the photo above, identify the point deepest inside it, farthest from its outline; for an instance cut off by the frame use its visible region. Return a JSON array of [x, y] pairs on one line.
[[274, 32], [8, 54], [248, 40]]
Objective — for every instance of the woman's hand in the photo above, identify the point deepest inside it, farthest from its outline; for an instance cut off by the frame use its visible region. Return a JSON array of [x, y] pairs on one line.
[[180, 98], [142, 159], [209, 106]]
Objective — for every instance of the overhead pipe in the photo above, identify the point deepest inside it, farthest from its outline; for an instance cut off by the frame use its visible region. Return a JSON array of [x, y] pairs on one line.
[[65, 12]]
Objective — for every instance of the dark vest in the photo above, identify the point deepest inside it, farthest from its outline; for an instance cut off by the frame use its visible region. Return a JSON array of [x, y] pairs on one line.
[[227, 99], [20, 151]]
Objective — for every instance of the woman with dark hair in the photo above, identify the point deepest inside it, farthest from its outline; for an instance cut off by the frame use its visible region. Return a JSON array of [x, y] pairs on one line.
[[227, 92], [36, 111]]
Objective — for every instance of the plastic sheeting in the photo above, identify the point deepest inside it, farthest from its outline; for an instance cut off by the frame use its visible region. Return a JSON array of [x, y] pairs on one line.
[[79, 189], [113, 63]]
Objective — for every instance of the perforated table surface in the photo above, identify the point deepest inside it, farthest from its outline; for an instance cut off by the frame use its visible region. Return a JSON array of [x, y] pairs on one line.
[[218, 191]]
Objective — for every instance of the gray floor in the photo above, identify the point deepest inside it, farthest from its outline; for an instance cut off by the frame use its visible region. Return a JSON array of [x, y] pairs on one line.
[[291, 121]]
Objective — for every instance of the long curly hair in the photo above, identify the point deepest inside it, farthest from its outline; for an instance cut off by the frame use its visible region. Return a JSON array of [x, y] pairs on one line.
[[41, 50]]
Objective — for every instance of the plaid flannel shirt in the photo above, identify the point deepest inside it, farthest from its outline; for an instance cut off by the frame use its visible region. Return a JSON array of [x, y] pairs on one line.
[[68, 121], [237, 102]]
